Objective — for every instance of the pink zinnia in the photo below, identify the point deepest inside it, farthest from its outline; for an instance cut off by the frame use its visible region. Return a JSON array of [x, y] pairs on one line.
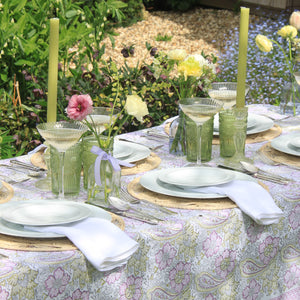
[[79, 107]]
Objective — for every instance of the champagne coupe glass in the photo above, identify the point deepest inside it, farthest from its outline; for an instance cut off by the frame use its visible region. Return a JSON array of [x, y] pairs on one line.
[[297, 77], [200, 110], [102, 117], [226, 92], [61, 135]]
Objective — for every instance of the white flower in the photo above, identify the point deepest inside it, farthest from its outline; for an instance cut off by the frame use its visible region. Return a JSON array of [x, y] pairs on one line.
[[134, 106]]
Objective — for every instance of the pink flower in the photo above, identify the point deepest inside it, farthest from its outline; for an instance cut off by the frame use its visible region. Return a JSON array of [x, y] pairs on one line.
[[79, 295], [211, 244], [56, 283], [292, 276], [79, 107], [131, 289], [180, 276], [251, 292], [268, 249], [225, 263], [295, 19], [165, 256]]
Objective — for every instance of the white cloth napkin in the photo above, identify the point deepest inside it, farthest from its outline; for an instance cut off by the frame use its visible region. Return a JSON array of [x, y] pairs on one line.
[[251, 198], [105, 245]]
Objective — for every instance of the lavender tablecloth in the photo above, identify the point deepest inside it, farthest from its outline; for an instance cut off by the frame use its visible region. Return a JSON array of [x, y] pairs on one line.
[[196, 254]]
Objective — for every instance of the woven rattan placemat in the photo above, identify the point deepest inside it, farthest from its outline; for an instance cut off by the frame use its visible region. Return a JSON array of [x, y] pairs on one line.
[[138, 191], [279, 157], [51, 244], [147, 164]]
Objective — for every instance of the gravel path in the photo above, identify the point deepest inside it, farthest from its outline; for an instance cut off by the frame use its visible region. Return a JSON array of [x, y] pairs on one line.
[[198, 30]]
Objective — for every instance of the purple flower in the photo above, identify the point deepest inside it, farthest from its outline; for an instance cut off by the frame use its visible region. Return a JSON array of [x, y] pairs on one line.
[[225, 263], [131, 289], [180, 276], [79, 295], [294, 217], [268, 249], [292, 276], [251, 291], [212, 244], [165, 256], [55, 284]]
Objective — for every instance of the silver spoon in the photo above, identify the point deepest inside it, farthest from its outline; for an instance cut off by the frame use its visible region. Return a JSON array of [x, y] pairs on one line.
[[28, 173], [123, 205], [263, 174]]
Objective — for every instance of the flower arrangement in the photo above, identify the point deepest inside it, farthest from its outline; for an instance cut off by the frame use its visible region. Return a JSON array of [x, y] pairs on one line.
[[289, 34], [80, 106]]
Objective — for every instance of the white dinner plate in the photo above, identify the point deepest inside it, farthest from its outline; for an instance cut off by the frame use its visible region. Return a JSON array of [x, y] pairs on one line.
[[283, 143], [45, 213], [193, 177], [139, 152], [151, 182], [295, 142], [260, 124], [18, 230], [122, 150]]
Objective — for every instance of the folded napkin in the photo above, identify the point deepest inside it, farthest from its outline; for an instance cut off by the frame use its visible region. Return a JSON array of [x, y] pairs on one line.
[[251, 198], [105, 245]]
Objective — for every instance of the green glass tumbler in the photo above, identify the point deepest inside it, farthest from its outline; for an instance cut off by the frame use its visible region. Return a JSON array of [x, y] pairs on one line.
[[226, 132], [72, 171], [191, 140]]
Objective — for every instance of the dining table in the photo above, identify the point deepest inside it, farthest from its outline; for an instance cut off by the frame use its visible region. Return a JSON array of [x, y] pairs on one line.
[[207, 249]]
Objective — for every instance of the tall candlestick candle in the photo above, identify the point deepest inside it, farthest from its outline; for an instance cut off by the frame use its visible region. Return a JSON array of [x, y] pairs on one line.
[[242, 59], [53, 70]]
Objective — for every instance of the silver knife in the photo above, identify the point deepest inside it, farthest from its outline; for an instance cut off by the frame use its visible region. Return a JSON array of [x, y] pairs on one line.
[[127, 214]]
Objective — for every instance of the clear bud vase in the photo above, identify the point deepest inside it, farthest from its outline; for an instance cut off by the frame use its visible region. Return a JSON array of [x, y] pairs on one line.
[[177, 136], [110, 178]]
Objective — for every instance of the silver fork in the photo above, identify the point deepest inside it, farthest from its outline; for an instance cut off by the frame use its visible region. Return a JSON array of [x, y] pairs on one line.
[[269, 161], [152, 148], [124, 194]]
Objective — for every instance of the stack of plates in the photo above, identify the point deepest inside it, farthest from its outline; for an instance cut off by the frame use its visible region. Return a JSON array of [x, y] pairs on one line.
[[130, 152], [289, 143], [17, 214], [182, 182], [255, 124]]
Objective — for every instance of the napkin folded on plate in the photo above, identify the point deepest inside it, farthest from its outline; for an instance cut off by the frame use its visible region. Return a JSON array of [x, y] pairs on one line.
[[105, 245], [250, 197]]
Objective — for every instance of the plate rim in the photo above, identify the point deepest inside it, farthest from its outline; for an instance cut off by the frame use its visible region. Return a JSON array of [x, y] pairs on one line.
[[185, 193], [231, 177], [255, 129], [96, 212], [139, 152], [85, 212], [286, 149]]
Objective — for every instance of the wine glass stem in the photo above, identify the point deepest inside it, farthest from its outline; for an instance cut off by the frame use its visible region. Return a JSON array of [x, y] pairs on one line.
[[61, 187], [199, 129]]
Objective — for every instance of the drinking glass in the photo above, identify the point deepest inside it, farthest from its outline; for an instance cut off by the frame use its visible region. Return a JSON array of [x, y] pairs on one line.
[[102, 117], [225, 92], [200, 110], [61, 135]]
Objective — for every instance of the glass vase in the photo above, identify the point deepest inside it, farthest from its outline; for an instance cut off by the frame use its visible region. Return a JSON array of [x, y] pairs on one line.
[[177, 136], [191, 141], [103, 179], [290, 99]]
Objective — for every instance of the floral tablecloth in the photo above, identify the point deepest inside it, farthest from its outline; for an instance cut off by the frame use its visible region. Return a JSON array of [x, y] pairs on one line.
[[196, 254]]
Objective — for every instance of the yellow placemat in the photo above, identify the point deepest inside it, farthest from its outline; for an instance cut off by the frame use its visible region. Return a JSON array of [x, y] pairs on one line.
[[51, 244], [279, 157], [6, 193], [138, 191], [267, 135], [147, 164]]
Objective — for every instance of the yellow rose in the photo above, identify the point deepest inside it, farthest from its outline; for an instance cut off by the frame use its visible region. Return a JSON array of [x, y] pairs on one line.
[[190, 67], [263, 43], [177, 54], [134, 106], [295, 19], [288, 31]]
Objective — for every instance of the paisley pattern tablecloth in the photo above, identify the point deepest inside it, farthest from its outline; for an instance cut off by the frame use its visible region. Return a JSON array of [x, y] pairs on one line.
[[196, 254]]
